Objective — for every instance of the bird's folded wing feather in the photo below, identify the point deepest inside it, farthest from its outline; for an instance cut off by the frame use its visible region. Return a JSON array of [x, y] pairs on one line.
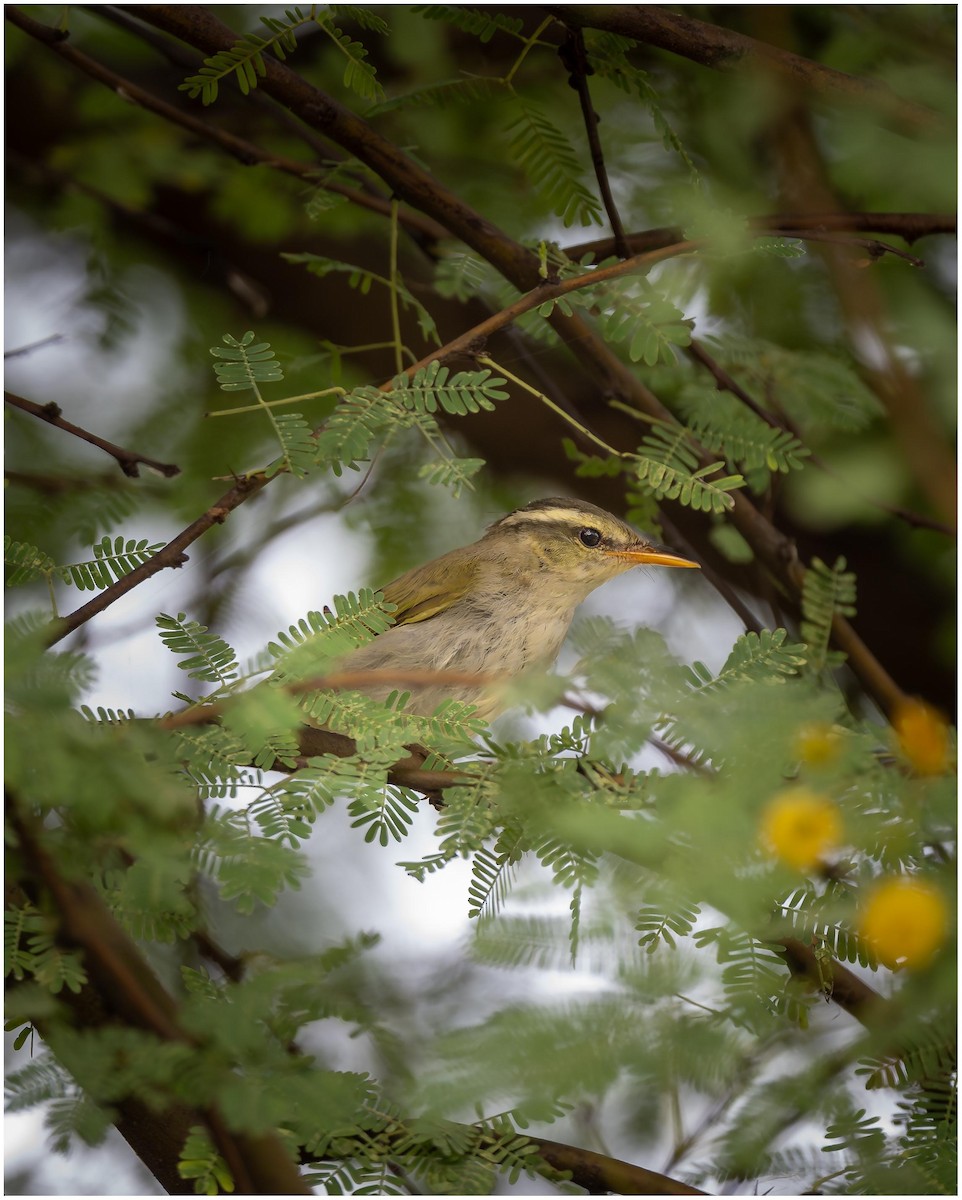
[[431, 589]]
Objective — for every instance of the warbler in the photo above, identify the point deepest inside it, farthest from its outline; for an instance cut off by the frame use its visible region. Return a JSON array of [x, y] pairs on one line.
[[501, 606]]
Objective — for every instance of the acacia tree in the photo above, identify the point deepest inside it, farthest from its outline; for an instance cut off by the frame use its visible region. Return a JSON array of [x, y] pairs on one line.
[[749, 349]]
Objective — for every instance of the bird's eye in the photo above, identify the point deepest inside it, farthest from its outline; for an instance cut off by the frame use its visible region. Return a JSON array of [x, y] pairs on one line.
[[589, 537]]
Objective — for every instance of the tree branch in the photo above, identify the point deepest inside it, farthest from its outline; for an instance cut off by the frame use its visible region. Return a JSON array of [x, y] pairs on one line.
[[575, 60], [245, 152], [910, 226], [172, 555], [875, 248], [726, 382], [130, 991], [128, 461], [725, 50], [598, 1174], [843, 987]]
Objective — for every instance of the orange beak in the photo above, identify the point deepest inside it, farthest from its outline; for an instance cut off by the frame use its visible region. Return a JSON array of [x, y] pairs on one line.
[[656, 556]]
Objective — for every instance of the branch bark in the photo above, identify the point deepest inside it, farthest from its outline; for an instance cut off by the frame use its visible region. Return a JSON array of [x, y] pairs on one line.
[[598, 1174], [910, 226], [847, 990], [128, 460], [725, 50], [572, 52]]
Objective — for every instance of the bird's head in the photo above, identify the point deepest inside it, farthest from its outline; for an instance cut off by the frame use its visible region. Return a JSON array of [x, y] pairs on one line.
[[574, 544]]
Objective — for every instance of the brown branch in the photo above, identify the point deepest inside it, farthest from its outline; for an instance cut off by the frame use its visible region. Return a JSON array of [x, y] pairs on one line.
[[245, 152], [909, 226], [172, 555], [725, 50], [598, 1174], [313, 741], [232, 967], [129, 990], [727, 383], [575, 60], [654, 238], [128, 461], [58, 485], [841, 986], [216, 269], [875, 248], [697, 352]]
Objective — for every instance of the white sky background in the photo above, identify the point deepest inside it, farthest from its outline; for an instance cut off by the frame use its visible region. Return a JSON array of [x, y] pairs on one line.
[[424, 926]]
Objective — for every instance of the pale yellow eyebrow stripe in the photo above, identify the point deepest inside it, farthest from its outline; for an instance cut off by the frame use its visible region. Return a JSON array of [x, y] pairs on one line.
[[563, 515]]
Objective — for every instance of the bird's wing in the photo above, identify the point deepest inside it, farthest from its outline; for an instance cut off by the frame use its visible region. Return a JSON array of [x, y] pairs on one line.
[[426, 591]]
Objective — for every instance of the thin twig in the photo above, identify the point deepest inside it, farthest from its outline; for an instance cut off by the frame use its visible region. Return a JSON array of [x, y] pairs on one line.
[[128, 461], [909, 226], [50, 340], [721, 585], [575, 60], [232, 967], [725, 382], [696, 350], [875, 248]]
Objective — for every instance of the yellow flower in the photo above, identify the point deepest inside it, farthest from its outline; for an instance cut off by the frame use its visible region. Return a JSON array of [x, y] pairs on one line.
[[923, 736], [905, 920], [800, 827], [818, 743]]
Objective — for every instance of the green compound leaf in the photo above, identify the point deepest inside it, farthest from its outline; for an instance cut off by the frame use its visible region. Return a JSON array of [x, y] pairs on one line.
[[113, 559], [546, 156], [246, 363], [245, 59], [209, 657], [28, 562]]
